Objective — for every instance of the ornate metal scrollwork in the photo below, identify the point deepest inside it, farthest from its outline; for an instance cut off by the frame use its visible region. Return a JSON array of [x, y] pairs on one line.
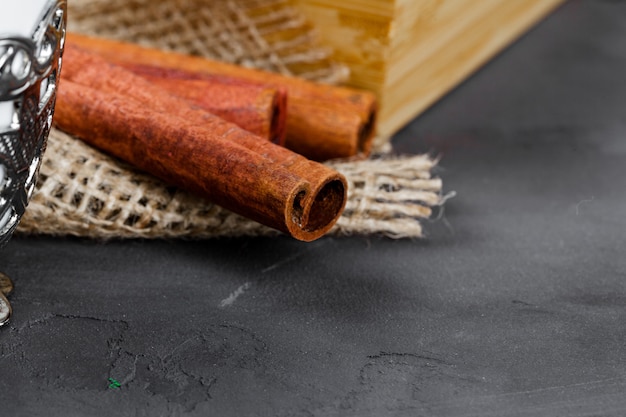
[[29, 73]]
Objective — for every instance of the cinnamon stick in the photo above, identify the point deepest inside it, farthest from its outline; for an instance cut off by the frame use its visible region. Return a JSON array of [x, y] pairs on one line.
[[86, 68], [323, 121], [129, 117], [256, 108]]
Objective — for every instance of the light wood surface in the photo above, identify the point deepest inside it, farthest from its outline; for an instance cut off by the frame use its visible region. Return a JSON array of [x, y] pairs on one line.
[[411, 52]]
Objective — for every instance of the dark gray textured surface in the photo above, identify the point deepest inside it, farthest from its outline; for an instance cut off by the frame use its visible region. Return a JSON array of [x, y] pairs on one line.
[[514, 306]]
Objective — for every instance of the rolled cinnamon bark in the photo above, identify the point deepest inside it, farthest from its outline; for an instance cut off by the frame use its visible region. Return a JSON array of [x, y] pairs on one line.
[[136, 121], [258, 109], [323, 121], [88, 69]]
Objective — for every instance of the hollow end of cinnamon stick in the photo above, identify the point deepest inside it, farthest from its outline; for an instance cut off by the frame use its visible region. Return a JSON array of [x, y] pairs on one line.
[[367, 131], [278, 118], [315, 213]]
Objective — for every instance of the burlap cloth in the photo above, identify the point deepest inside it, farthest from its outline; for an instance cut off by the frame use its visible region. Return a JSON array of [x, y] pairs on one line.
[[82, 192]]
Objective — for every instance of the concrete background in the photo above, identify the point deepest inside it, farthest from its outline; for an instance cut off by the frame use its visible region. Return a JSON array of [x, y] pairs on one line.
[[515, 304]]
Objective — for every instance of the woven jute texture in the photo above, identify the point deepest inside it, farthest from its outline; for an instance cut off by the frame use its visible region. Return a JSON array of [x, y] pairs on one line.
[[82, 192], [266, 34]]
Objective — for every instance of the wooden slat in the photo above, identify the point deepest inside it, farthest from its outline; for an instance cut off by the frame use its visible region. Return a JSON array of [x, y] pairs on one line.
[[405, 98], [411, 52]]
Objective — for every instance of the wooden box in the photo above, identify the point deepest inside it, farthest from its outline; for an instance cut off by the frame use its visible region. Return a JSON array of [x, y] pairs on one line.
[[411, 52]]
